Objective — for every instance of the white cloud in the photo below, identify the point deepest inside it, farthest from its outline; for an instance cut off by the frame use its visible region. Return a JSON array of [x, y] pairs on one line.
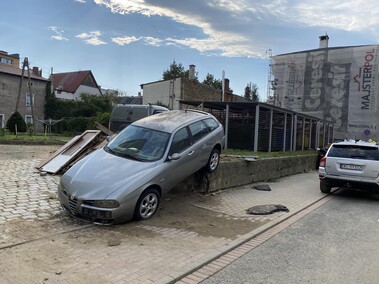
[[125, 40], [248, 27], [91, 38], [152, 41], [58, 34], [80, 1]]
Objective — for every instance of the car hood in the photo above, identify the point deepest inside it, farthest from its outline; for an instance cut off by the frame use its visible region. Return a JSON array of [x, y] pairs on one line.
[[100, 174]]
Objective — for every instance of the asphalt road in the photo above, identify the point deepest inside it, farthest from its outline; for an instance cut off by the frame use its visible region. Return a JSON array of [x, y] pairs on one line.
[[337, 243]]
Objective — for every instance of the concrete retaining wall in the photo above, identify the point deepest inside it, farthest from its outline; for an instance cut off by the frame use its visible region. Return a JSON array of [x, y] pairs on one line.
[[239, 172]]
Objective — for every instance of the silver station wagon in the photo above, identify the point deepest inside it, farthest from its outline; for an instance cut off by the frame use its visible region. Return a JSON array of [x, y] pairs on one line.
[[350, 164], [126, 179]]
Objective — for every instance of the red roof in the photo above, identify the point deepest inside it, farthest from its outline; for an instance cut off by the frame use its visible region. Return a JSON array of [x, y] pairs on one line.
[[70, 81]]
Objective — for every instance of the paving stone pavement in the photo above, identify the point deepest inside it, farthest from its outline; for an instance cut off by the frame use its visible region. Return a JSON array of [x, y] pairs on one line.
[[61, 250]]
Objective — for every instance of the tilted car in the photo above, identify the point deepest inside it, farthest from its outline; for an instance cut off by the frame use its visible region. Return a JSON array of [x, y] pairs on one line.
[[127, 178], [350, 164]]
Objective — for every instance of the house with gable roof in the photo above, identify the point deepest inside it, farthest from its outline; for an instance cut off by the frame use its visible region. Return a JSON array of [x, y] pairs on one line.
[[14, 83], [70, 85]]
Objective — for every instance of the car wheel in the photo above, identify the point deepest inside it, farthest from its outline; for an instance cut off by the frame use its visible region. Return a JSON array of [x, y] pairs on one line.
[[147, 204], [324, 187], [213, 161]]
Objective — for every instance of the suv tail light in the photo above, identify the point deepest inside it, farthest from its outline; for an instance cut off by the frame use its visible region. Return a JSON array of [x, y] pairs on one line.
[[323, 162]]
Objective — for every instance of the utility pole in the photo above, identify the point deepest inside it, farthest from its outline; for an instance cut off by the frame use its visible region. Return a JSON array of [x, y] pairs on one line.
[[25, 64], [20, 85]]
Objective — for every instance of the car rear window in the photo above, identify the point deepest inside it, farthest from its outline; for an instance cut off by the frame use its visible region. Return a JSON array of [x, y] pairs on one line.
[[354, 152]]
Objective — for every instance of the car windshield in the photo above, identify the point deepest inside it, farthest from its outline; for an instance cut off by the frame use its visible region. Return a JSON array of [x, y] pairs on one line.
[[139, 143]]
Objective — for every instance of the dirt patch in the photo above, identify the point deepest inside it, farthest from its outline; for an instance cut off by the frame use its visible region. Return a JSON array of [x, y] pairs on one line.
[[176, 211]]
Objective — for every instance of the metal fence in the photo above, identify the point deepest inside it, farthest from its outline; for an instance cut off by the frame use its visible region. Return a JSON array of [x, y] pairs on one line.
[[263, 127]]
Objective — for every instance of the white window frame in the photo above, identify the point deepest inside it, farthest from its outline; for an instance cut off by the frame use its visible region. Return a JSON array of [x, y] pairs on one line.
[[28, 117], [28, 100], [2, 116]]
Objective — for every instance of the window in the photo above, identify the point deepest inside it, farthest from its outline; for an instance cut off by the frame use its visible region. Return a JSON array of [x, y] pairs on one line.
[[5, 60], [28, 119], [354, 152], [1, 120], [198, 130], [28, 100], [180, 142], [211, 123]]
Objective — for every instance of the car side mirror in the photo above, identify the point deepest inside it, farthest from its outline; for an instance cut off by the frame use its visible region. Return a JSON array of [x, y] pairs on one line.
[[175, 156]]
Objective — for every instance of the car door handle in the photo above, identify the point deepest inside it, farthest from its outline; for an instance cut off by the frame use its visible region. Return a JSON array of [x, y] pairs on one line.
[[190, 153]]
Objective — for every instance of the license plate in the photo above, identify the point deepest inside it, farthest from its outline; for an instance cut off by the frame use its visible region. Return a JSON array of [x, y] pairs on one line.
[[351, 167]]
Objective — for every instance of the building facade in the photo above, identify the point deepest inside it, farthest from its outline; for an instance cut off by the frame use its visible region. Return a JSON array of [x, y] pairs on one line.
[[338, 84], [71, 85], [10, 59], [10, 80], [170, 92]]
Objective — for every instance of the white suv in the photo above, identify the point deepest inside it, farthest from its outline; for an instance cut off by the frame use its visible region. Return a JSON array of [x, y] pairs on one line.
[[350, 164]]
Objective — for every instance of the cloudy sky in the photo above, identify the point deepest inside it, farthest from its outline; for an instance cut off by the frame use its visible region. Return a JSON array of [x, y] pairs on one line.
[[128, 43]]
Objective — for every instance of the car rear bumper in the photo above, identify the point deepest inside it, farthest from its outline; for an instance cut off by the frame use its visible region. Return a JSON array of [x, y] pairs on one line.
[[340, 182]]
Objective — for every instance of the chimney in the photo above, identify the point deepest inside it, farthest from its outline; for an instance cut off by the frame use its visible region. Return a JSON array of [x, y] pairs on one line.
[[226, 85], [36, 71], [324, 41], [191, 74]]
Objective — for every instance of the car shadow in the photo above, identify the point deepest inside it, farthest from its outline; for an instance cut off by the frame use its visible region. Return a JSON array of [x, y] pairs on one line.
[[352, 193]]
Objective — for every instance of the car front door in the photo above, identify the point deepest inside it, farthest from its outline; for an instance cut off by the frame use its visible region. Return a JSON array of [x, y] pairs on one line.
[[186, 165]]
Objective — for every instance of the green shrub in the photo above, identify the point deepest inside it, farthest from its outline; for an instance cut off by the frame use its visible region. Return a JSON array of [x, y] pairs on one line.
[[16, 119]]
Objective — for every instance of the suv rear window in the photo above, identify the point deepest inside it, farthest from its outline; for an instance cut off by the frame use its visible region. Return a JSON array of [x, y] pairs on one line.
[[354, 152]]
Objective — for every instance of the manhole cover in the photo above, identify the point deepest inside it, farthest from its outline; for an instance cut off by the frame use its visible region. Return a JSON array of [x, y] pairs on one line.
[[266, 209], [264, 187]]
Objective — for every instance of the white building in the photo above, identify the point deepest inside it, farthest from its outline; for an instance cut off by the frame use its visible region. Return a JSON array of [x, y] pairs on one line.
[[70, 85]]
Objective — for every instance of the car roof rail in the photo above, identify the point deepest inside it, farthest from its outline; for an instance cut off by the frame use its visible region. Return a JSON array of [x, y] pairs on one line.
[[196, 110]]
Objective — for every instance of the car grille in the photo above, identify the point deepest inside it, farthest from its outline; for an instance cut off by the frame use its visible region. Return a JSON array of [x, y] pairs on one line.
[[73, 201]]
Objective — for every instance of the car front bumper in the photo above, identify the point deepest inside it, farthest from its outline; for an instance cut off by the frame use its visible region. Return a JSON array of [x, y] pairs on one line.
[[106, 216]]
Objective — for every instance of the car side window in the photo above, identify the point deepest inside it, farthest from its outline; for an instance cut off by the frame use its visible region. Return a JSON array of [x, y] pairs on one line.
[[211, 123], [198, 130], [180, 142]]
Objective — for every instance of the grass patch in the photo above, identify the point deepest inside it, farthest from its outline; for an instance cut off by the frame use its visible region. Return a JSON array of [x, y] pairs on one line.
[[36, 139]]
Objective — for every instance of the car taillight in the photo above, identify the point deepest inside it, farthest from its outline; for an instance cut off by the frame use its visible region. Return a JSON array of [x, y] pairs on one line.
[[323, 162]]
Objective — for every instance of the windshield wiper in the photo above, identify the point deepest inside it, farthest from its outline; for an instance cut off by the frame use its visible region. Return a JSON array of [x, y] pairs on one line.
[[109, 150]]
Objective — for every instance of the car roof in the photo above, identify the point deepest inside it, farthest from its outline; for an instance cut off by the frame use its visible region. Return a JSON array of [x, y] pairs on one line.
[[356, 143], [169, 121]]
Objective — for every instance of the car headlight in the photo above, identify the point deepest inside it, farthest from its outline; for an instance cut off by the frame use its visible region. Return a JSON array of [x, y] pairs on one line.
[[103, 203]]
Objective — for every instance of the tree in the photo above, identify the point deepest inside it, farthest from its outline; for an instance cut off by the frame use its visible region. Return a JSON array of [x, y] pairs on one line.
[[215, 83], [211, 81], [251, 92], [175, 71], [16, 119], [254, 92]]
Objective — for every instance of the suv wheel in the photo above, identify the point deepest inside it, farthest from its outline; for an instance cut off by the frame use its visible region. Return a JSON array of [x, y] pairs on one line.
[[324, 187]]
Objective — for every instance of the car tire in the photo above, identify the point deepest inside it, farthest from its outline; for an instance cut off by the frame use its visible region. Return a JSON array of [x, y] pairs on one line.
[[214, 160], [324, 187], [147, 204]]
